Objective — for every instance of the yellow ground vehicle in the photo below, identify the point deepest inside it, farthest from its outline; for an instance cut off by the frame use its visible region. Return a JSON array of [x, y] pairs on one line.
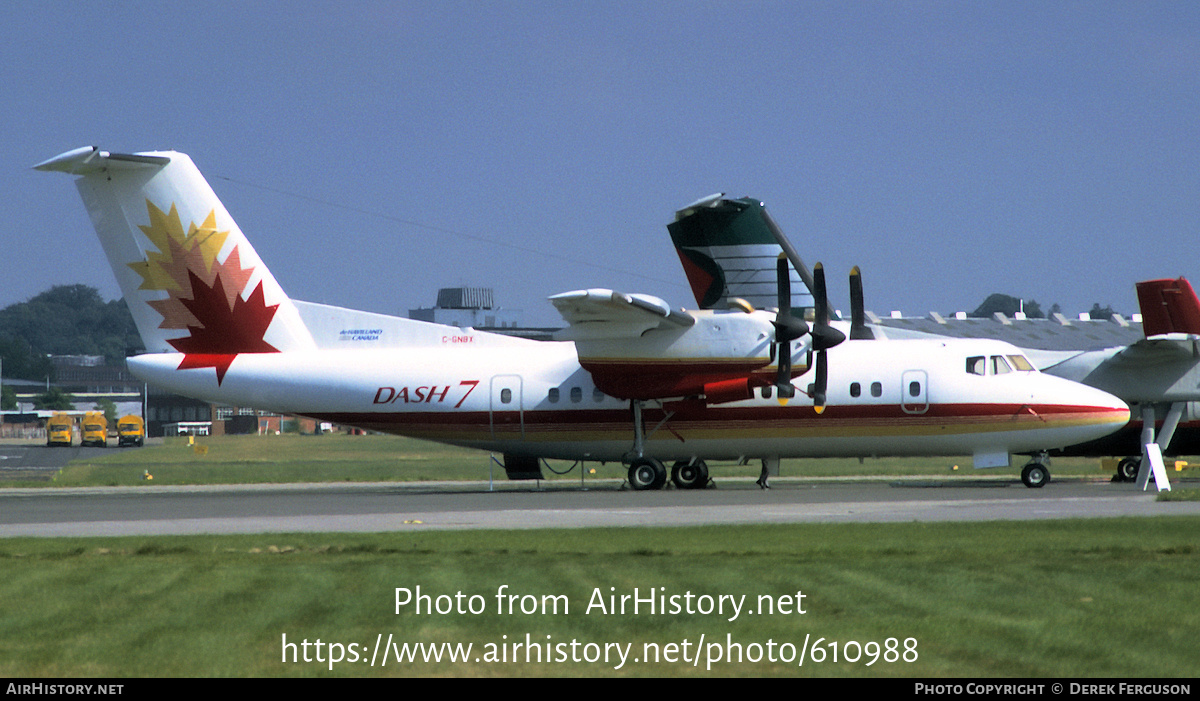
[[59, 429], [94, 430], [131, 430]]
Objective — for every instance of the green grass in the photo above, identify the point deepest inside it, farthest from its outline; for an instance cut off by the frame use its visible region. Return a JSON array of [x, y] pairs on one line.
[[342, 458], [1109, 597], [274, 459], [1180, 495], [1083, 598]]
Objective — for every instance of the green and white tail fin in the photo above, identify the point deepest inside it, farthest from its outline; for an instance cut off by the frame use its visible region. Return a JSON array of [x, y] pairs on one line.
[[192, 281], [729, 250]]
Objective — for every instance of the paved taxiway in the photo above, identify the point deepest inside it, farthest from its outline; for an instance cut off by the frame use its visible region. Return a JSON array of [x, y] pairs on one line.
[[155, 510], [22, 460]]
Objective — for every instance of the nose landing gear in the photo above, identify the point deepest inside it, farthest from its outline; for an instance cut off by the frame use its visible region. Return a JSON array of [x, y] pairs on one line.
[[1035, 475]]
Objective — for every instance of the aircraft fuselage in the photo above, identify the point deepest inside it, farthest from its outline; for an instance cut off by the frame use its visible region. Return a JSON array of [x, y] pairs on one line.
[[534, 399]]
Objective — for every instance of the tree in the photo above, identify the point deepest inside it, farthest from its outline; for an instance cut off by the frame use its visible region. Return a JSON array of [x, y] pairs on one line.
[[22, 361], [110, 410], [1099, 312], [54, 399], [8, 398], [64, 320], [1007, 305]]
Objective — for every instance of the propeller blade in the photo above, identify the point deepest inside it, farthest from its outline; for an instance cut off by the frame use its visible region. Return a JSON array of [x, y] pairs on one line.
[[787, 329], [858, 316], [820, 299], [824, 337], [822, 383], [783, 285], [783, 379]]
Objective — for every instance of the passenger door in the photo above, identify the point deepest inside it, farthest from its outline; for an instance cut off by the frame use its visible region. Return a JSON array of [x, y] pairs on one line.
[[506, 409]]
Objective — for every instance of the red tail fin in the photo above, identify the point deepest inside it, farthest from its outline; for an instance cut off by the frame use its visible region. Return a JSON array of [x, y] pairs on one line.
[[1168, 306]]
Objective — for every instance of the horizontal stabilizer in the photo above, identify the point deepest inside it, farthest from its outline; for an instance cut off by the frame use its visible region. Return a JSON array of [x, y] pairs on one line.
[[89, 159]]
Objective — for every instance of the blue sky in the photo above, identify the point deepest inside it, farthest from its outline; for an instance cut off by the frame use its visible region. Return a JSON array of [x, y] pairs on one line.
[[376, 151]]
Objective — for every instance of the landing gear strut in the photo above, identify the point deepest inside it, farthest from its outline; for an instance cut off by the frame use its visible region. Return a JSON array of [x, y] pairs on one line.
[[646, 473]]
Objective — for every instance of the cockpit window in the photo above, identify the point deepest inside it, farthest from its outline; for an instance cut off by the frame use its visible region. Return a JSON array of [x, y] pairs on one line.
[[1000, 365], [977, 365], [1021, 363]]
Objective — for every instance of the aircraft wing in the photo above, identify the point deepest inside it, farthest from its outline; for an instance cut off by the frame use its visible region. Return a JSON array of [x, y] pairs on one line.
[[604, 314], [1162, 367]]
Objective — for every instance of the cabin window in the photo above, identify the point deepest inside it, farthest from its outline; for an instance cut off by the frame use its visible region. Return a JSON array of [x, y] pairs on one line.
[[505, 396], [552, 395], [1021, 363], [876, 389], [977, 365], [597, 395], [1000, 365], [914, 389], [855, 389], [576, 395]]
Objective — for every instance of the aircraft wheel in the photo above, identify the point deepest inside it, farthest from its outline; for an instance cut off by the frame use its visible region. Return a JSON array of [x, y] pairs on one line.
[[689, 475], [647, 473], [1127, 469], [1035, 475]]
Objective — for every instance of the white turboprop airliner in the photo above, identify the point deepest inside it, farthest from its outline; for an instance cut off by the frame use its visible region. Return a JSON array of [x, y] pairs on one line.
[[636, 382]]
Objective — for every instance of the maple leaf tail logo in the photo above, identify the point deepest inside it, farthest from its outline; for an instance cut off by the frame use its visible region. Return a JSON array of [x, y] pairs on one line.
[[204, 296], [224, 331]]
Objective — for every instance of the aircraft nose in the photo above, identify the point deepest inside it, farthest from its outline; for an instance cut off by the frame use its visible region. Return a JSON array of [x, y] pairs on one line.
[[1095, 411]]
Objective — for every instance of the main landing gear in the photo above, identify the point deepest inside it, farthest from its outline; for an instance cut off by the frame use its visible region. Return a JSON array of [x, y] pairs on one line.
[[647, 473]]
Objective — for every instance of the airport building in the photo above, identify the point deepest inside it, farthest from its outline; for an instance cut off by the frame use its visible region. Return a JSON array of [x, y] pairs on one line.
[[1057, 333], [474, 307]]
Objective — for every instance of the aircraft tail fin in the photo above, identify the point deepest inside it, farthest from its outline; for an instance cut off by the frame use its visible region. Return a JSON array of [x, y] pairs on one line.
[[729, 249], [1168, 306], [192, 281]]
